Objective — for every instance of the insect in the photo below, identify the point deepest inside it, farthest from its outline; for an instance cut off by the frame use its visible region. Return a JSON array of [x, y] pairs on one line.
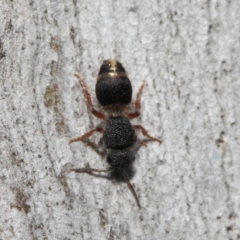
[[119, 142]]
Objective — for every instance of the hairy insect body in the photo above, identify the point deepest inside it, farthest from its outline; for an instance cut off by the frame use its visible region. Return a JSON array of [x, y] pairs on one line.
[[119, 133], [120, 143], [119, 136]]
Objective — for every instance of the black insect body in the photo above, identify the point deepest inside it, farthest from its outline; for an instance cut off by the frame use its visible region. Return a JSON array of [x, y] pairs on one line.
[[119, 142], [119, 136], [119, 133]]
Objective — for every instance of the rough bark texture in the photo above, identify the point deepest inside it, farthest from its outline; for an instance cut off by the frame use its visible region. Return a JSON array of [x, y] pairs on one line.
[[188, 53]]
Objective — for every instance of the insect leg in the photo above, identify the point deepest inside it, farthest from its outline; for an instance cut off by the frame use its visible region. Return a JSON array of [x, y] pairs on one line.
[[130, 186], [137, 103], [86, 135], [88, 98], [99, 148], [145, 133], [89, 170]]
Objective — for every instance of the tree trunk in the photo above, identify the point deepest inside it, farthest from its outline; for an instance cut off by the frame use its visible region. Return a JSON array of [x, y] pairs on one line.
[[188, 55]]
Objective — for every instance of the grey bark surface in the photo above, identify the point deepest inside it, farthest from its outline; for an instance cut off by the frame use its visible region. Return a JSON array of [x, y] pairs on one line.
[[188, 54]]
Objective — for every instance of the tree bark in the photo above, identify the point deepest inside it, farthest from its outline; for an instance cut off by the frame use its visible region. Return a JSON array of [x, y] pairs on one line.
[[188, 54]]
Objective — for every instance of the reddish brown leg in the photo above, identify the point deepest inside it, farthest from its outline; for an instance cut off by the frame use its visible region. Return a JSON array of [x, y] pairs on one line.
[[98, 148], [130, 186], [138, 98], [145, 133], [88, 98], [88, 170], [86, 135], [142, 144], [137, 103]]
